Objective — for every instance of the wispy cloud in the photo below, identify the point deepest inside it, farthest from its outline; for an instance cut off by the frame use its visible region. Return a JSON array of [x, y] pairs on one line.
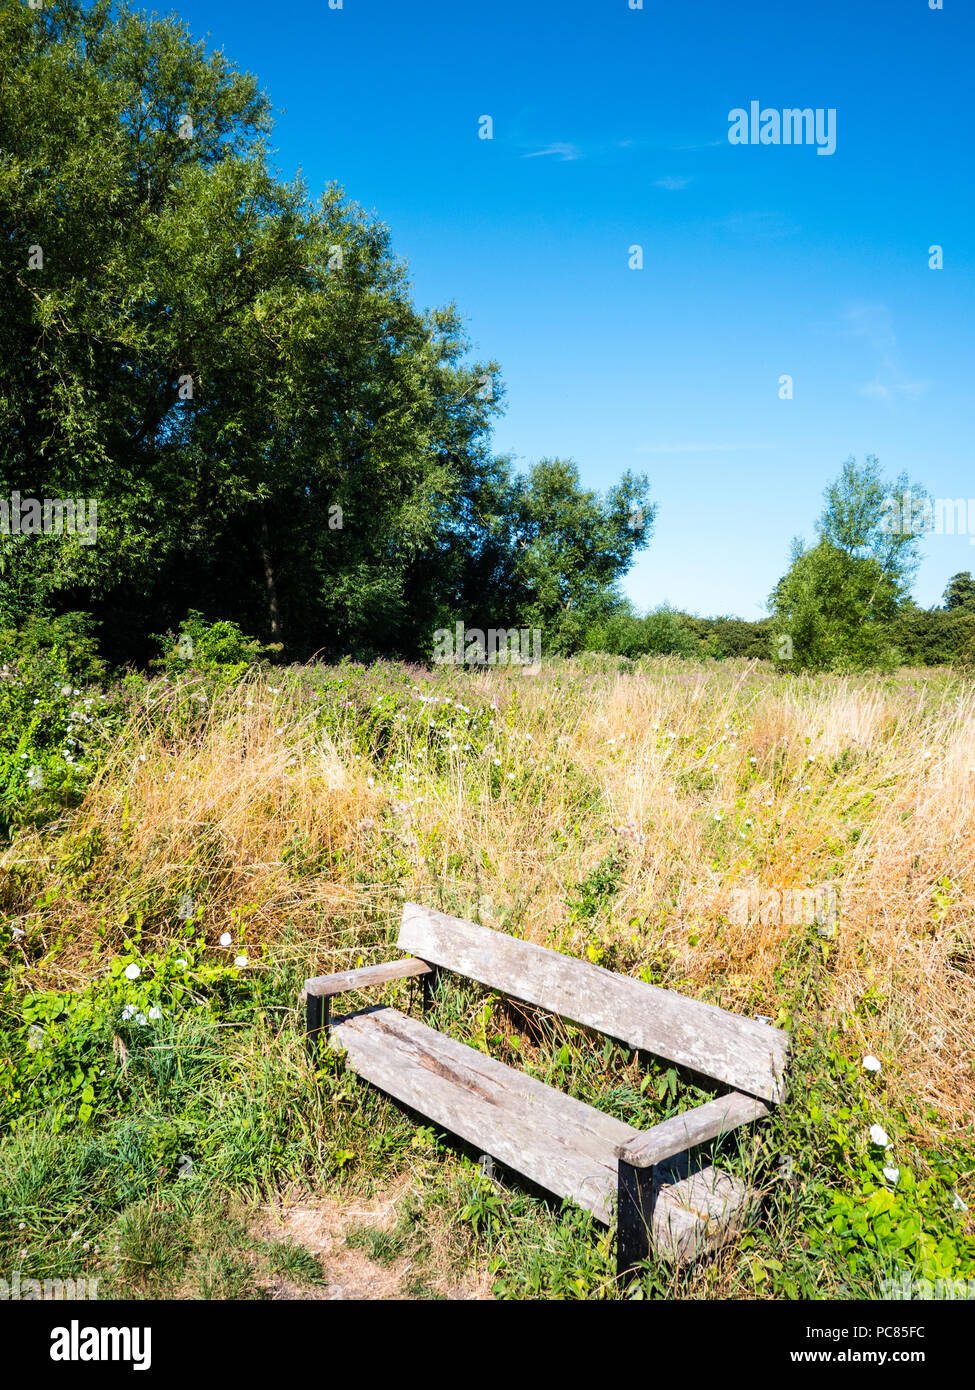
[[874, 323], [561, 151], [882, 391]]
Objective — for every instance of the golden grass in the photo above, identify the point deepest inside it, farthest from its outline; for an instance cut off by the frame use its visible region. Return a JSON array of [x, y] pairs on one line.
[[701, 779]]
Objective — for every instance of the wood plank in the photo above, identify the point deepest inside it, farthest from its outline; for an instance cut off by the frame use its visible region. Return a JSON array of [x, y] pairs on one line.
[[743, 1053], [698, 1209], [558, 1142], [366, 975], [696, 1126]]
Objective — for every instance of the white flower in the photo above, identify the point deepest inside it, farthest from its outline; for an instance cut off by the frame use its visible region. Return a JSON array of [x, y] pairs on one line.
[[870, 1064], [958, 1204], [181, 963], [878, 1136], [240, 960], [141, 1019], [717, 815], [155, 1013], [35, 1037], [225, 939], [132, 972], [128, 1012], [892, 1175]]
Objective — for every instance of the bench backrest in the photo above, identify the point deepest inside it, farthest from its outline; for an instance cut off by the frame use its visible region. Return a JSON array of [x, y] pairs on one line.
[[745, 1054]]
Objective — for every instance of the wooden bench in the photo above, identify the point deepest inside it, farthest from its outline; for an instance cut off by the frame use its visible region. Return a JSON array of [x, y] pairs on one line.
[[663, 1199]]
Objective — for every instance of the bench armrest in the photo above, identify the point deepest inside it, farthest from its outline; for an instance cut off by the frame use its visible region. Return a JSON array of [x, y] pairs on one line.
[[324, 986], [681, 1132]]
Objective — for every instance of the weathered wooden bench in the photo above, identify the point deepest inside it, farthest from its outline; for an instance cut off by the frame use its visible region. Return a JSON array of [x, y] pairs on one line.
[[664, 1200]]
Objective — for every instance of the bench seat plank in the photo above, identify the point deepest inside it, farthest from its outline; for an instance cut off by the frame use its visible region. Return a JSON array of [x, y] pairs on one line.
[[745, 1054], [558, 1142]]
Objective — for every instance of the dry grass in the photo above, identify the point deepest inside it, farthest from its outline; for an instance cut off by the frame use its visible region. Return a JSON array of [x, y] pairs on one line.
[[700, 779]]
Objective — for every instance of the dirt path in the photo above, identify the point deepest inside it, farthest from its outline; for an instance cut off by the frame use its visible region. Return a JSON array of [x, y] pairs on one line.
[[322, 1224]]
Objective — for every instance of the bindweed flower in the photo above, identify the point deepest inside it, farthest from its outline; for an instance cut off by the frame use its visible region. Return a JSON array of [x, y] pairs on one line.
[[132, 972], [892, 1175], [225, 939], [128, 1012], [240, 961], [155, 1013], [870, 1064], [878, 1136]]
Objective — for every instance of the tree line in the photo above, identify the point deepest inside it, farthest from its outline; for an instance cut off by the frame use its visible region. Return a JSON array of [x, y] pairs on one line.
[[275, 435]]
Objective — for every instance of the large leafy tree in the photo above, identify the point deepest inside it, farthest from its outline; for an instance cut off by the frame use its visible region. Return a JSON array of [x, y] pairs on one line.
[[271, 430], [833, 607]]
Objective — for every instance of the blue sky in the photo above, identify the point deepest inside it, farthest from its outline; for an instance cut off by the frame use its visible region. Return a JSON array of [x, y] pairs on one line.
[[611, 130]]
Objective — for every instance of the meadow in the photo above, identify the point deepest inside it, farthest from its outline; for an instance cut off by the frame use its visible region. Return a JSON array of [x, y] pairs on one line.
[[193, 844]]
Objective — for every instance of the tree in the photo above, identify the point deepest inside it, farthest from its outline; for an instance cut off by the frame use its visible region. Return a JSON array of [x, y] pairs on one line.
[[549, 553], [274, 434], [960, 592], [831, 608]]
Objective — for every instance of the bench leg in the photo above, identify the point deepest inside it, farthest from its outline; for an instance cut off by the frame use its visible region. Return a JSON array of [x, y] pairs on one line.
[[429, 983], [317, 1011], [634, 1209]]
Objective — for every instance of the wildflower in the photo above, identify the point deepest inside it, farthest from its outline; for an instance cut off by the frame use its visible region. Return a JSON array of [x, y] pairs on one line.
[[155, 1013], [128, 1012], [132, 972], [141, 1020], [181, 963], [240, 961], [753, 760], [878, 1136], [892, 1175], [717, 815], [870, 1064], [35, 1037]]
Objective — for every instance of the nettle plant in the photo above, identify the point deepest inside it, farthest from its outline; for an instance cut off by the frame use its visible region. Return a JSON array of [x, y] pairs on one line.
[[66, 1054]]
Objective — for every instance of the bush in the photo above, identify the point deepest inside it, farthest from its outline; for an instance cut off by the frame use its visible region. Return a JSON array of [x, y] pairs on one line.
[[219, 648]]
